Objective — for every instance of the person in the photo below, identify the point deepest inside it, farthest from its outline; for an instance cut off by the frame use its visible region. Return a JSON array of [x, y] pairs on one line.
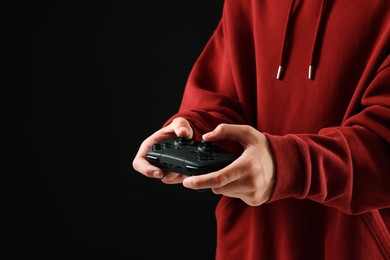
[[302, 90]]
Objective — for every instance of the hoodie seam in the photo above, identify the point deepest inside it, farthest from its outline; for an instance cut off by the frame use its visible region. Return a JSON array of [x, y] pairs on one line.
[[376, 230]]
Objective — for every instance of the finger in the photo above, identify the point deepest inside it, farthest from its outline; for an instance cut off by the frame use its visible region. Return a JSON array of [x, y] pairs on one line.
[[178, 127], [140, 164], [173, 178], [143, 166], [239, 133], [236, 189], [212, 180], [182, 127]]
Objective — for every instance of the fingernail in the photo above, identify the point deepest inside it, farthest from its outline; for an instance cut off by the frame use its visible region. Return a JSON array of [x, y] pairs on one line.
[[187, 183], [206, 135], [157, 174]]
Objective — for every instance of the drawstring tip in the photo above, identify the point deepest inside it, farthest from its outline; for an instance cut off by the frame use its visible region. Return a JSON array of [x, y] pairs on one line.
[[279, 75], [310, 74]]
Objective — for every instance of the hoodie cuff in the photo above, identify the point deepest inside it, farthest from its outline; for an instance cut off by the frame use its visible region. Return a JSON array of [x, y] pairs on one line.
[[289, 167]]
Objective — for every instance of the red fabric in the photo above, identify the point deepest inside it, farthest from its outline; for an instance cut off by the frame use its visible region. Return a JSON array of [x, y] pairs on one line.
[[330, 135]]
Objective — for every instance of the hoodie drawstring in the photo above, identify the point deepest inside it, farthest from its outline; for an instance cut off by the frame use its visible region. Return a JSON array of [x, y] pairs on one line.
[[281, 63], [313, 48], [314, 45]]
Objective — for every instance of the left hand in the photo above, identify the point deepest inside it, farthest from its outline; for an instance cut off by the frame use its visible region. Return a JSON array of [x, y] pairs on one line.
[[250, 177]]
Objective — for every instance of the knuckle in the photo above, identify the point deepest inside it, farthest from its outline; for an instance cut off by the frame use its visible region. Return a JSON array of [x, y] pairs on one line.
[[135, 165], [216, 191], [246, 129], [221, 180], [222, 128], [253, 203], [252, 200], [179, 121]]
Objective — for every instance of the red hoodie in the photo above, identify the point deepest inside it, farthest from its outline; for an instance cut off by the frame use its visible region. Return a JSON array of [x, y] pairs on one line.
[[329, 129]]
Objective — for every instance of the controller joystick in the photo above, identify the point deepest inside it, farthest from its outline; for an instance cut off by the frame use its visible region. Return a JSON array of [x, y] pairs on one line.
[[186, 156], [179, 141], [206, 146]]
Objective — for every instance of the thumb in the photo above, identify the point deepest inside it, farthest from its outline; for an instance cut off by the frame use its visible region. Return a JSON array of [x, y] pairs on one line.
[[239, 133], [182, 127]]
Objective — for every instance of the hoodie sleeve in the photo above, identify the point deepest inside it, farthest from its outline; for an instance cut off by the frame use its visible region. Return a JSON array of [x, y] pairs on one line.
[[210, 96], [346, 167]]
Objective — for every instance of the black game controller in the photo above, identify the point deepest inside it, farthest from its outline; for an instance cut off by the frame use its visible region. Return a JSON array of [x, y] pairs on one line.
[[186, 156]]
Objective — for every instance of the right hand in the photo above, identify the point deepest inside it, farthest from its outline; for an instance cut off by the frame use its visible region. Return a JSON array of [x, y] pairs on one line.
[[179, 127]]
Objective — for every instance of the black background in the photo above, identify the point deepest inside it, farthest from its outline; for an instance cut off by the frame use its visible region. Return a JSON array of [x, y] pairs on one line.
[[94, 79]]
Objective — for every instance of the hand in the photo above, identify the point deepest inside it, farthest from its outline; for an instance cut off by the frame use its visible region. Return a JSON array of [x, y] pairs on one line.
[[250, 177], [178, 127]]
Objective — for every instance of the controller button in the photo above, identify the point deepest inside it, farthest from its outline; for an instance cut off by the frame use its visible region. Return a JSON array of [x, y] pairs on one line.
[[166, 145], [204, 146], [156, 147], [183, 141]]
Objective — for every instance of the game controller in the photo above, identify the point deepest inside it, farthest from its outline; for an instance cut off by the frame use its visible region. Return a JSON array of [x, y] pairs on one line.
[[189, 157]]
